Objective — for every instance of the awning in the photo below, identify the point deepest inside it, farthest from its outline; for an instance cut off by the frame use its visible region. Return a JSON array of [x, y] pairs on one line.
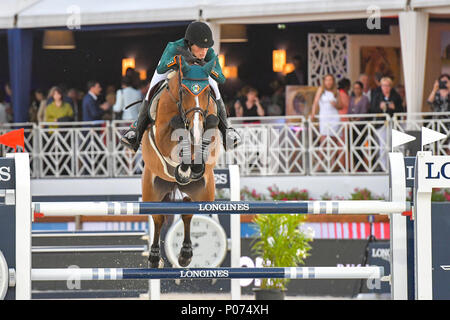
[[274, 11], [432, 6], [61, 13], [9, 9]]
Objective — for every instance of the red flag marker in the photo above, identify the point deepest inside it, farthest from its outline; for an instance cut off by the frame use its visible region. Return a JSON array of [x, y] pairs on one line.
[[13, 139], [37, 215]]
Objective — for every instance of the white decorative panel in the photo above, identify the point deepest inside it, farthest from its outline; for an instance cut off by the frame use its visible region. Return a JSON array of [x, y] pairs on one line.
[[327, 54]]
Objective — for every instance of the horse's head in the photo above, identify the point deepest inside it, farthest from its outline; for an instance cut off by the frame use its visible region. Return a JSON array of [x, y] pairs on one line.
[[196, 121]]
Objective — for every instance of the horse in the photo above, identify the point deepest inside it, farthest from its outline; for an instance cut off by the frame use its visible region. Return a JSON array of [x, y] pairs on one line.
[[180, 148]]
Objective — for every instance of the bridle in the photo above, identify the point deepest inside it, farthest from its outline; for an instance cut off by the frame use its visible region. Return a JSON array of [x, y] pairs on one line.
[[184, 113]]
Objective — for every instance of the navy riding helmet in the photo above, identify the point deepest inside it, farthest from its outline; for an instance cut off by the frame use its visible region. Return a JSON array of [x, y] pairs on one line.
[[200, 34]]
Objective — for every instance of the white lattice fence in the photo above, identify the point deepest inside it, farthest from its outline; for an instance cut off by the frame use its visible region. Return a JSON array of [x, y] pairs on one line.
[[125, 163]]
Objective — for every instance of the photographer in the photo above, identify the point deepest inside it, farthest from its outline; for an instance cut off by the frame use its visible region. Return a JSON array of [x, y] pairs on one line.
[[439, 96], [386, 100]]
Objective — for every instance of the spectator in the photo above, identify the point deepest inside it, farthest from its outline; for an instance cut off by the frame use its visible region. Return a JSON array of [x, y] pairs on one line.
[[144, 86], [387, 100], [3, 106], [8, 102], [377, 90], [359, 102], [364, 79], [249, 105], [296, 77], [92, 109], [400, 89], [36, 113], [8, 93], [73, 95], [277, 103], [134, 76], [440, 95], [58, 110], [327, 100], [126, 96], [344, 87]]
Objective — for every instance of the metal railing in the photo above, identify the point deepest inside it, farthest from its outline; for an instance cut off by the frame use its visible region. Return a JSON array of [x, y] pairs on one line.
[[274, 146]]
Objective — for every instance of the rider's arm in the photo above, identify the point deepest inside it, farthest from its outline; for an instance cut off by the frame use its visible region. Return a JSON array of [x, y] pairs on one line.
[[216, 72], [167, 61]]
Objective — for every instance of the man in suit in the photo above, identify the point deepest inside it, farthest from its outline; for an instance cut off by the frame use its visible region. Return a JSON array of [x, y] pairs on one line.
[[296, 77], [92, 109]]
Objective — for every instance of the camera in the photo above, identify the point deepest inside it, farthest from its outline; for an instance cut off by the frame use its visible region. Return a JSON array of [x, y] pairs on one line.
[[442, 84]]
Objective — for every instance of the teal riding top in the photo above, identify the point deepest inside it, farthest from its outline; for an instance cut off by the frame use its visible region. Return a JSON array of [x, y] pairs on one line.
[[168, 62]]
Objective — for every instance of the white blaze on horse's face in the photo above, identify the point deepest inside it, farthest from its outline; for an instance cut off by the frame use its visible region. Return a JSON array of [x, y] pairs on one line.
[[197, 125]]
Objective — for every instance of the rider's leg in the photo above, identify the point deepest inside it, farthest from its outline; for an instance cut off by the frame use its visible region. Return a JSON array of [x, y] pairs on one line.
[[230, 136], [132, 138]]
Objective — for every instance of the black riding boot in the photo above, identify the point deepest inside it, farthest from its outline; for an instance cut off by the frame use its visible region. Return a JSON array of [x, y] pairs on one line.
[[132, 138], [230, 137]]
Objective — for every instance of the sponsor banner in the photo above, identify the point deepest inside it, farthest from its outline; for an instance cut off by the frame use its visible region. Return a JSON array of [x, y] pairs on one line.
[[435, 171], [7, 174], [440, 224], [222, 178], [410, 164]]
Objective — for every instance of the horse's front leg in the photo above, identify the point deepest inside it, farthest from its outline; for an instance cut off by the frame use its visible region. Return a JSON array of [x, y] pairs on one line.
[[154, 258], [185, 257]]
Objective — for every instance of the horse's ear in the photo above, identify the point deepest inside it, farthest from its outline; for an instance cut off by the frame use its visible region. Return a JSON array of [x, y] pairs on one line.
[[210, 65], [184, 65]]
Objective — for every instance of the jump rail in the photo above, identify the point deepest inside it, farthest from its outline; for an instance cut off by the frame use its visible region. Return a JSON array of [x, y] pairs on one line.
[[201, 273], [237, 207]]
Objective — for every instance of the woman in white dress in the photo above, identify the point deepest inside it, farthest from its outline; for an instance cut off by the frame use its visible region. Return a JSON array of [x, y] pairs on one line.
[[327, 100]]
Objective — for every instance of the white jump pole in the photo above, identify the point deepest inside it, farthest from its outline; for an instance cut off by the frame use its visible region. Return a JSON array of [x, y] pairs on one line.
[[49, 209], [23, 225], [431, 172], [235, 230], [398, 235], [60, 274]]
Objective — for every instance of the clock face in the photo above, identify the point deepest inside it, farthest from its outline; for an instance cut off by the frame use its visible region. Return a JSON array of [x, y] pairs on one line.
[[4, 276], [209, 242]]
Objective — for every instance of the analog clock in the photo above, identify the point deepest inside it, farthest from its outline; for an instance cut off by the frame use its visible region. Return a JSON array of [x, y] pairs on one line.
[[4, 276], [209, 242]]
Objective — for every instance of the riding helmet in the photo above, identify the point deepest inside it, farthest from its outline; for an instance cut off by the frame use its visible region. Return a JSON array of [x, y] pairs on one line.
[[200, 34]]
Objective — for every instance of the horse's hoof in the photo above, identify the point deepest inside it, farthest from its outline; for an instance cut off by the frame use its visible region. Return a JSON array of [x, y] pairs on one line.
[[183, 177], [183, 262], [156, 263], [185, 257]]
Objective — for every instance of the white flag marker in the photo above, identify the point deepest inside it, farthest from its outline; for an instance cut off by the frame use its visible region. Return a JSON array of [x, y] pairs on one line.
[[399, 138], [430, 136]]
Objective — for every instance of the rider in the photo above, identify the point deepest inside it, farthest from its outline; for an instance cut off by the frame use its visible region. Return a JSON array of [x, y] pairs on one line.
[[197, 43]]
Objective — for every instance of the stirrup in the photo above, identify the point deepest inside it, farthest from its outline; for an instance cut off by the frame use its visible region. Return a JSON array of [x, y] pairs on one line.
[[236, 140], [129, 144]]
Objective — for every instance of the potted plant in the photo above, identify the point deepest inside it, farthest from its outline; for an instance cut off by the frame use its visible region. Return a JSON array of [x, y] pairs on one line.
[[281, 243]]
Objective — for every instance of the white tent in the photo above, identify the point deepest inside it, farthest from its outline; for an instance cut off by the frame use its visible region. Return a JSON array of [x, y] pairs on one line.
[[432, 6], [9, 9], [273, 11], [60, 13], [53, 13]]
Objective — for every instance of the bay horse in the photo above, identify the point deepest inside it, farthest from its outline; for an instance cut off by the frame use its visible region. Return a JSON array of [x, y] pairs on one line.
[[180, 149]]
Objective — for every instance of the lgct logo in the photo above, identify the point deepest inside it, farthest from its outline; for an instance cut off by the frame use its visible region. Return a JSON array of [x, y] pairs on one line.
[[432, 173]]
